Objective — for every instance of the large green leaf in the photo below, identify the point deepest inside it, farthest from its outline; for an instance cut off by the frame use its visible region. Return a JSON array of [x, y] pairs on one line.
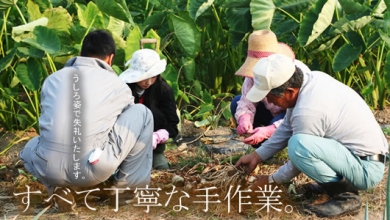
[[132, 42], [186, 33], [27, 52], [44, 39], [157, 19], [294, 7], [197, 7], [25, 120], [353, 7], [284, 29], [184, 96], [7, 60], [30, 74], [262, 13], [169, 4], [206, 97], [355, 38], [63, 3], [170, 74], [327, 45], [78, 32], [116, 26], [238, 16], [24, 31], [380, 7], [345, 25], [33, 10], [120, 49], [113, 9], [227, 114], [345, 56], [286, 19], [153, 35], [316, 21], [205, 109], [90, 15], [197, 88], [5, 4], [59, 19], [44, 4]]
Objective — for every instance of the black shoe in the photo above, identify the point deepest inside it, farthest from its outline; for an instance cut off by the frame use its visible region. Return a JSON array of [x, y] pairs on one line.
[[309, 190], [341, 204], [63, 199]]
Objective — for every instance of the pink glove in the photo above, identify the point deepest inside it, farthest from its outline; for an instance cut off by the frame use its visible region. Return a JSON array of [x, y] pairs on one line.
[[259, 134], [244, 124], [160, 136]]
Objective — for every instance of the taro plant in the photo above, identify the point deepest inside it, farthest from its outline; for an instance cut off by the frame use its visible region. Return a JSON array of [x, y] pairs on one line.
[[208, 110], [38, 38], [194, 39], [344, 38], [213, 109]]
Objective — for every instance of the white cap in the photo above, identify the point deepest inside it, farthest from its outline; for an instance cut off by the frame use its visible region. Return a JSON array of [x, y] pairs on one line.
[[269, 73], [144, 64]]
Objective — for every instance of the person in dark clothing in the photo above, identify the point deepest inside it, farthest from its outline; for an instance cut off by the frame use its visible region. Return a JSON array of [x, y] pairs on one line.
[[149, 88]]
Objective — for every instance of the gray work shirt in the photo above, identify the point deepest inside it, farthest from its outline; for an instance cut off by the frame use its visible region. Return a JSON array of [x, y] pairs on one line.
[[326, 108], [80, 104]]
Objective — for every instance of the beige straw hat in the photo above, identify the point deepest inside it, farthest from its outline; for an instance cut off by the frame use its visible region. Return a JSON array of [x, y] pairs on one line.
[[262, 43]]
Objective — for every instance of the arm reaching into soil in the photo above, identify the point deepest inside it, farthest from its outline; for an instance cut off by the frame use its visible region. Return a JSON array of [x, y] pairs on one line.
[[248, 162]]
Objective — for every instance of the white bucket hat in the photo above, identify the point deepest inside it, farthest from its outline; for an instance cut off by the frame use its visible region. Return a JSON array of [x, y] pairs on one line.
[[144, 64], [269, 73]]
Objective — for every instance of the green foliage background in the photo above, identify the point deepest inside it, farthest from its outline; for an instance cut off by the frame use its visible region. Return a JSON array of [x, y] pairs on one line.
[[204, 42]]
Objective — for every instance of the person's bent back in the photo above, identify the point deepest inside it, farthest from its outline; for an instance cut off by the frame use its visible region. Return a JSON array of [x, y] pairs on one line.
[[90, 127]]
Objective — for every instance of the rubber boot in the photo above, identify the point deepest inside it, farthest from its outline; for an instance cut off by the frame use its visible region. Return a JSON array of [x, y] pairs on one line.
[[159, 161], [344, 199]]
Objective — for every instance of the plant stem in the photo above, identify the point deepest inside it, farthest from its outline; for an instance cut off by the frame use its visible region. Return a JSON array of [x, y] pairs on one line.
[[51, 63], [288, 14], [4, 30], [20, 13]]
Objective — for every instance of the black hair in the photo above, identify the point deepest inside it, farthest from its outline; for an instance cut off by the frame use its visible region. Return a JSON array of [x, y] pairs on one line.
[[98, 44], [154, 90], [295, 81]]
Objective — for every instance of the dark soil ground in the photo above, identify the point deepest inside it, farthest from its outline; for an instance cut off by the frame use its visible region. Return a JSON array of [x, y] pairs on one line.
[[199, 169]]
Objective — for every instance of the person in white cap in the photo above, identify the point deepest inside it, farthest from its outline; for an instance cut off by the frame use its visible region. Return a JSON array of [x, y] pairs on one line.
[[259, 120], [324, 138], [149, 88], [90, 128]]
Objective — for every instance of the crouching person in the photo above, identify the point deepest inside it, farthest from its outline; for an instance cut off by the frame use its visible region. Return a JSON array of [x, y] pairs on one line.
[[331, 134], [90, 127]]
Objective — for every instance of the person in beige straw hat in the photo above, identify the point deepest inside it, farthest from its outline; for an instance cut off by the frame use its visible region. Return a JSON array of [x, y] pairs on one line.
[[260, 119]]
